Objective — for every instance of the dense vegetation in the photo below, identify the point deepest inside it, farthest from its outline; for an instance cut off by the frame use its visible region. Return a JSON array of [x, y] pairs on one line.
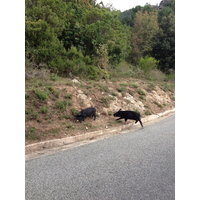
[[86, 39]]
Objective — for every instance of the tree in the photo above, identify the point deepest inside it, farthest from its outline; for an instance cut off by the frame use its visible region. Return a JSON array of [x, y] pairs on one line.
[[102, 27], [164, 41], [44, 24], [145, 27], [164, 44]]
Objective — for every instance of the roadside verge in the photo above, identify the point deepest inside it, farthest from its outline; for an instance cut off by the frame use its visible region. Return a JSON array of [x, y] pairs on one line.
[[88, 136]]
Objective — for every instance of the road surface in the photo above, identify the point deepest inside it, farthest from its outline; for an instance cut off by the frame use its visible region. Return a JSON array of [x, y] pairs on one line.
[[137, 165]]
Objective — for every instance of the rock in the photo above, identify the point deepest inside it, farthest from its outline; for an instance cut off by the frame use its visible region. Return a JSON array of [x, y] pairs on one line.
[[87, 101], [75, 81]]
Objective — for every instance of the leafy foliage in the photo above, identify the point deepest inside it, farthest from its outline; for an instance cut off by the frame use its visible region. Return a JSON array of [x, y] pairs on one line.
[[145, 27], [148, 63], [86, 39], [164, 40]]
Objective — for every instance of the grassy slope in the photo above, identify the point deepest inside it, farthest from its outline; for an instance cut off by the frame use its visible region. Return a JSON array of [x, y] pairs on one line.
[[52, 102]]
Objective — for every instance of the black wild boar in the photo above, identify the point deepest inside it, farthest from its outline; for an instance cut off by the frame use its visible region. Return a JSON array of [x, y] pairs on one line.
[[128, 115], [86, 113]]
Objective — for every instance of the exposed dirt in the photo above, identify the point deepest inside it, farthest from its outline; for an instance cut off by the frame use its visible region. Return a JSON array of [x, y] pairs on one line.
[[51, 116]]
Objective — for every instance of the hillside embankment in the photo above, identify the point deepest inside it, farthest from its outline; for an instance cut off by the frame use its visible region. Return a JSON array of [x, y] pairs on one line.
[[51, 104]]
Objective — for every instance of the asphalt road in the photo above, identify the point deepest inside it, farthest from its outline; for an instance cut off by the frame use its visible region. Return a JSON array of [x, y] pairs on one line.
[[137, 165]]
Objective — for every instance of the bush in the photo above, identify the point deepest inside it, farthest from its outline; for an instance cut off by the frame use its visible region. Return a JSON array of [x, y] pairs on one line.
[[43, 109], [79, 65], [148, 63], [62, 104], [41, 95], [141, 92]]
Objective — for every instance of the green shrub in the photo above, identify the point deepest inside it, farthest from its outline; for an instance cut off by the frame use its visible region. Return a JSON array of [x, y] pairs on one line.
[[148, 63], [123, 84], [54, 77], [34, 115], [141, 92], [41, 95], [159, 105], [28, 111], [31, 114], [66, 117], [134, 85], [43, 109], [31, 134], [121, 89], [74, 54], [63, 104]]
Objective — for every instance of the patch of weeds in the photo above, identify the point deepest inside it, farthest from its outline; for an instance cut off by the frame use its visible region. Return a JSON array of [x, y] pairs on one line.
[[114, 94], [95, 84], [40, 83], [168, 87], [31, 134], [46, 118], [39, 120], [56, 93], [121, 89], [88, 87], [74, 111], [119, 121], [104, 88], [50, 88], [54, 132], [110, 113], [132, 93], [31, 114], [63, 104], [133, 85], [34, 115], [147, 112], [123, 84], [151, 86], [65, 117], [159, 105], [54, 77], [173, 98], [142, 98], [44, 109], [106, 101], [68, 96], [141, 92], [41, 95], [28, 111]]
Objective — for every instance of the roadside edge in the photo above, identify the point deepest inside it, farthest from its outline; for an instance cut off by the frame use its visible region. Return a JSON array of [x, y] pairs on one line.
[[88, 136]]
